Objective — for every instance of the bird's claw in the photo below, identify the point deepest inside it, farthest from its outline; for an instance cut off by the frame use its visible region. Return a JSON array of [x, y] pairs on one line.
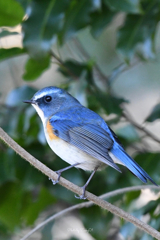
[[56, 181], [81, 197]]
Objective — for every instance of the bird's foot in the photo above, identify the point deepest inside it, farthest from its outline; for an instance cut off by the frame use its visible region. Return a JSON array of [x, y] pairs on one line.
[[56, 181], [82, 197]]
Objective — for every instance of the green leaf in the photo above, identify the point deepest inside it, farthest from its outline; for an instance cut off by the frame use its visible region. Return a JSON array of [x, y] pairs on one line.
[[130, 196], [44, 199], [155, 114], [75, 69], [129, 6], [11, 52], [150, 162], [70, 68], [100, 19], [24, 4], [6, 33], [7, 169], [98, 100], [94, 224], [10, 204], [45, 20], [139, 30], [78, 17], [11, 13], [16, 96], [128, 132], [47, 231], [110, 103], [150, 207], [34, 67], [29, 177]]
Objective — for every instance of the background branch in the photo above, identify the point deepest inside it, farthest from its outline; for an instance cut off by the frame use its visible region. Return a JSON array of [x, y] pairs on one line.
[[72, 187], [86, 204], [63, 64], [129, 118], [96, 69]]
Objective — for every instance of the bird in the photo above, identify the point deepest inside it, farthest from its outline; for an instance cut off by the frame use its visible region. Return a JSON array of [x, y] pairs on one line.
[[80, 136]]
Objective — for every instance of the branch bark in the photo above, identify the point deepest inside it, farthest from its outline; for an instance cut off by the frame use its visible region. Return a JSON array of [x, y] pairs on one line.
[[72, 187], [86, 204]]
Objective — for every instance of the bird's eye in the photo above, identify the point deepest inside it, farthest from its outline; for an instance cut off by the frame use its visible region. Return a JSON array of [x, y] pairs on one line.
[[48, 99]]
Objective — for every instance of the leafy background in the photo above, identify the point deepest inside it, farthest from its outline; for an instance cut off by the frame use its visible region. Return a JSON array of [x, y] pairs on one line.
[[105, 53]]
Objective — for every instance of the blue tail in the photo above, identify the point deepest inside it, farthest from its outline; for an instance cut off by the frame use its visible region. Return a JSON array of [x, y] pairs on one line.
[[120, 153]]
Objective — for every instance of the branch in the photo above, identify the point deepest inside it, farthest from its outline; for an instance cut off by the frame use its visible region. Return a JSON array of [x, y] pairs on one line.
[[63, 64], [129, 118], [72, 187], [86, 204], [97, 71]]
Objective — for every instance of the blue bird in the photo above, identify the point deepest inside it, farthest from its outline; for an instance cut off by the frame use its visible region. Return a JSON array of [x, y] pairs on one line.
[[80, 136]]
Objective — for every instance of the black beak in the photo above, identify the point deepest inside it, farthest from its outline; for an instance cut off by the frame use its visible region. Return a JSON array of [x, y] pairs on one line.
[[30, 101]]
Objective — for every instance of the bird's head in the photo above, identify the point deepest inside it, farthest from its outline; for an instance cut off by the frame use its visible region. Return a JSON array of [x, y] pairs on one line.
[[50, 100]]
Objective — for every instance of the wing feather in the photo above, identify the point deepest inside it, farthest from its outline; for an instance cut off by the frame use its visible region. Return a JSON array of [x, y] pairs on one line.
[[90, 138]]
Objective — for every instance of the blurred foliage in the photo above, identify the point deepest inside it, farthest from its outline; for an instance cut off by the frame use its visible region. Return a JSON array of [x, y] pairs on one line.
[[155, 114], [48, 22], [140, 30], [25, 192]]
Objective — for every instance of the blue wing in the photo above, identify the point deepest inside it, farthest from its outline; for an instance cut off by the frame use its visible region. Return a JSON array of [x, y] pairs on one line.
[[90, 133], [90, 138]]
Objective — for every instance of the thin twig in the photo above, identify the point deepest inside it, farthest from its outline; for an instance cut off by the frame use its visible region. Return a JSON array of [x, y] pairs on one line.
[[72, 187], [129, 118], [63, 64], [86, 204], [97, 71], [122, 67]]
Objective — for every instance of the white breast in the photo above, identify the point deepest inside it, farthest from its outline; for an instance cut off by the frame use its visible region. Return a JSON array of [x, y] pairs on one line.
[[40, 113], [72, 154], [68, 152]]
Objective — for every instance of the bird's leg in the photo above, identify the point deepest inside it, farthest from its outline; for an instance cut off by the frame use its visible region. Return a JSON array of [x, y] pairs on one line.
[[85, 185], [59, 172]]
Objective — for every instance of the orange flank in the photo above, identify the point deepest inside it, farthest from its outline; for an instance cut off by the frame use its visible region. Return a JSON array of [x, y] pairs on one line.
[[50, 132]]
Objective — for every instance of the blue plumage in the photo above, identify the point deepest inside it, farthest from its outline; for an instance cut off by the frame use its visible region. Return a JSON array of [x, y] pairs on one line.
[[91, 139], [130, 163], [83, 139], [85, 118]]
